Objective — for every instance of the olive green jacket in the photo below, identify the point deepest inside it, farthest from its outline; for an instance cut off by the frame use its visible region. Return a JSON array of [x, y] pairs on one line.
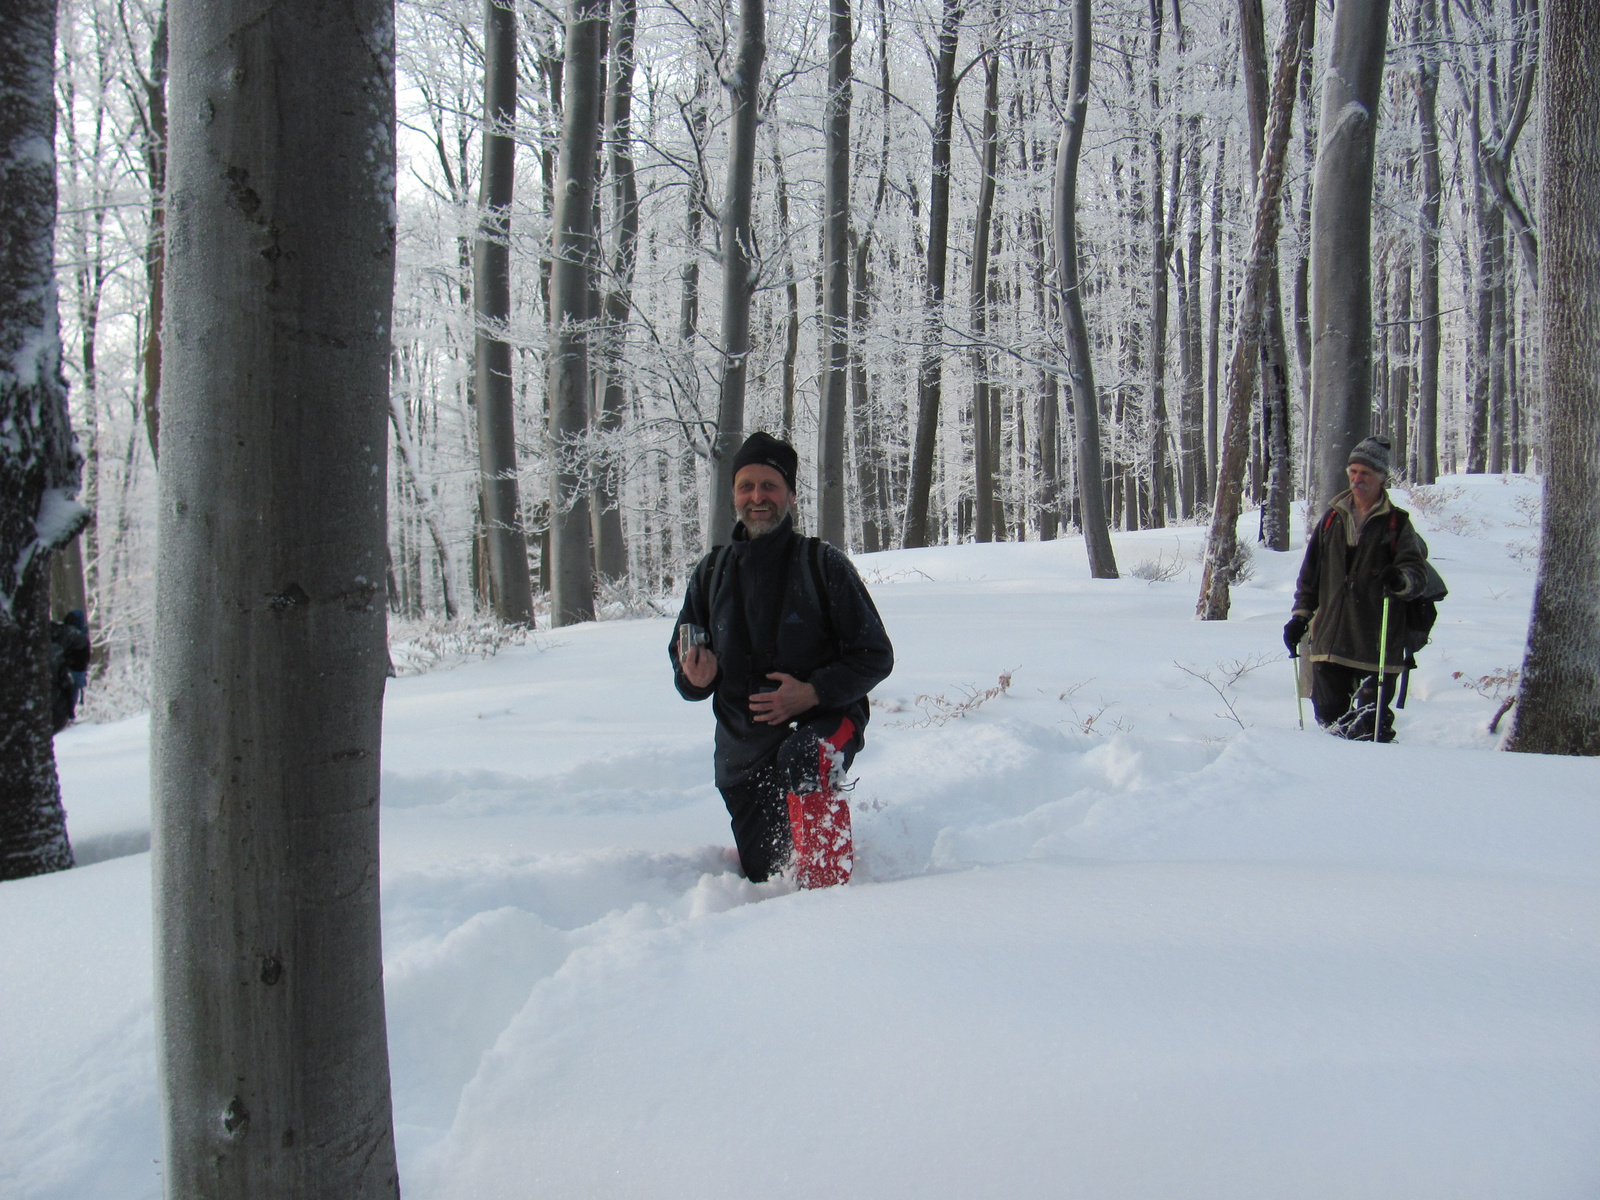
[[1341, 583]]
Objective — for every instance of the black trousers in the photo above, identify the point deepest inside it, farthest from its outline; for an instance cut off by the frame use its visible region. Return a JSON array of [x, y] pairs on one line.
[[1344, 699], [759, 808]]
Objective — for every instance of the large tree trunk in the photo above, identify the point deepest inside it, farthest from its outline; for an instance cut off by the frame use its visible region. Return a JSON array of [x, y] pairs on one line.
[[39, 464], [573, 243], [267, 701], [1426, 441], [1558, 711], [1080, 366], [930, 372], [1222, 543], [511, 589], [834, 407], [737, 236], [1341, 242], [611, 550], [978, 297]]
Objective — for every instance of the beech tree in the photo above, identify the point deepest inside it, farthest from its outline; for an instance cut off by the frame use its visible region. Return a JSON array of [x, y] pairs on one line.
[[737, 249], [836, 280], [1558, 708], [267, 704], [39, 460], [572, 251], [1341, 242], [511, 589], [1080, 366]]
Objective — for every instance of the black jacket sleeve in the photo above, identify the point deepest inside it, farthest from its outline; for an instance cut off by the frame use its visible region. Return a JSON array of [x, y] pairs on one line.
[[865, 656], [696, 611]]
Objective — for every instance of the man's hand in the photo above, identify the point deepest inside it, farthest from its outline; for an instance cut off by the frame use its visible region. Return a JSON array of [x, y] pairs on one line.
[[700, 667], [1395, 581], [790, 700], [1294, 633]]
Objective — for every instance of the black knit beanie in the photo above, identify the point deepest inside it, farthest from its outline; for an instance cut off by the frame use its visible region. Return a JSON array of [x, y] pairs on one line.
[[1372, 452], [767, 450]]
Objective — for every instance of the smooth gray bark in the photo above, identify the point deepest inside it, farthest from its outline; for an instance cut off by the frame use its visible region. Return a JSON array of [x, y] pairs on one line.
[[267, 696], [1080, 365], [737, 238], [1558, 708], [39, 461], [572, 253], [833, 407], [510, 587], [154, 145], [1341, 242]]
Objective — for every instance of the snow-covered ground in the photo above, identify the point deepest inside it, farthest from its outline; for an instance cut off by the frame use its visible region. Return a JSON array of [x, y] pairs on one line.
[[1120, 930]]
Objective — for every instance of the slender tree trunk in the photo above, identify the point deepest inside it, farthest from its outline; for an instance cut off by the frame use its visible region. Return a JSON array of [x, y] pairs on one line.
[[930, 373], [978, 297], [510, 585], [744, 86], [1080, 366], [611, 550], [1222, 543], [1427, 432], [573, 241], [834, 407], [791, 289], [1558, 709], [1400, 368], [868, 453], [1158, 283], [1191, 424], [1214, 338], [267, 703], [1341, 240], [427, 500], [155, 246]]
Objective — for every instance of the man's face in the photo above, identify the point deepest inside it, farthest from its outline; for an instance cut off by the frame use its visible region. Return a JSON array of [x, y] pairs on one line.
[[1366, 483], [761, 498]]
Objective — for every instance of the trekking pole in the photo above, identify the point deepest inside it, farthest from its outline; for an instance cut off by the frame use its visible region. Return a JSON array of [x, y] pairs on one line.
[[1383, 653], [1294, 663]]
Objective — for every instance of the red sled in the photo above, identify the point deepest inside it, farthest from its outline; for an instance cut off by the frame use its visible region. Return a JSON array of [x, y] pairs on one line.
[[820, 825]]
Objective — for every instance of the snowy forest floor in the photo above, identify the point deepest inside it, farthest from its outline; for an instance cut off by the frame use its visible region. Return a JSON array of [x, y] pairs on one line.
[[1119, 929]]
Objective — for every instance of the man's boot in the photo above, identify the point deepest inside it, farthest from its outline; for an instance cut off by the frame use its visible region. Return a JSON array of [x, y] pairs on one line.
[[820, 824]]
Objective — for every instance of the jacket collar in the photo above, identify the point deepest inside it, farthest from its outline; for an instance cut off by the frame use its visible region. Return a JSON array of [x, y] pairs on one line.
[[1344, 504]]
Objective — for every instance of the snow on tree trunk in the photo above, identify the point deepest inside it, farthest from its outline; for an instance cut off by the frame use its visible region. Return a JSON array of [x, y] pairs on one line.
[[267, 700], [1341, 242], [572, 251], [1222, 544], [1080, 366], [1426, 442], [738, 245], [511, 588], [836, 279], [39, 460], [1558, 711]]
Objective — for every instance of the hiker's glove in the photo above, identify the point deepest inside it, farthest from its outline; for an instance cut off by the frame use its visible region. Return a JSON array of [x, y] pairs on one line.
[[1395, 581], [1294, 633]]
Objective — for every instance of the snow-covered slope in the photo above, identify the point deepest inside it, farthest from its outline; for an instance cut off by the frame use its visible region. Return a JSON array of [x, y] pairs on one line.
[[1119, 928]]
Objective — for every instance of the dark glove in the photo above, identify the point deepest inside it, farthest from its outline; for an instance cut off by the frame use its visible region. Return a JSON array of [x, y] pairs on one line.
[[1294, 633], [1395, 581]]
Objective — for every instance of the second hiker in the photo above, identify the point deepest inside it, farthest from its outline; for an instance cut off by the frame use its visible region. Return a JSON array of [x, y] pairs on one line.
[[1360, 549]]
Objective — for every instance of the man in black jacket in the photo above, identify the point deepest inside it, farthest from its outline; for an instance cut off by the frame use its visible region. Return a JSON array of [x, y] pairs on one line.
[[1362, 548], [779, 631]]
